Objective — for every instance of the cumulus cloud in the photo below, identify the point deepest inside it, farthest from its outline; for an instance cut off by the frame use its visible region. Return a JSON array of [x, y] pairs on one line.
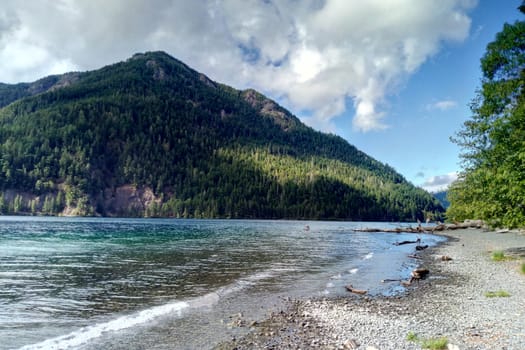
[[318, 56], [439, 182], [443, 105]]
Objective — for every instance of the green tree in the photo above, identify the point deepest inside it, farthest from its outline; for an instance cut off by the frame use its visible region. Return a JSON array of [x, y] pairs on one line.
[[492, 184]]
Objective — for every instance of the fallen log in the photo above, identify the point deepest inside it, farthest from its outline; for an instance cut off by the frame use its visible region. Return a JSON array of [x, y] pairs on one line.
[[391, 280], [518, 252], [426, 229], [407, 242], [395, 230], [368, 230], [351, 289], [414, 256], [421, 247]]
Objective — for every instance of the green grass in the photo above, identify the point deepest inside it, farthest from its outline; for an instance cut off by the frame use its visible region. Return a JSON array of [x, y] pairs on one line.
[[411, 336], [498, 256], [432, 343], [523, 268], [497, 294], [435, 343]]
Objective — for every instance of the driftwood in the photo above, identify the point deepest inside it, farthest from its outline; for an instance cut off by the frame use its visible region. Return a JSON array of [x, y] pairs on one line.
[[422, 247], [351, 289], [406, 283], [459, 225], [366, 229], [426, 229], [391, 280], [446, 258], [417, 241], [518, 252], [414, 256], [418, 274], [410, 229]]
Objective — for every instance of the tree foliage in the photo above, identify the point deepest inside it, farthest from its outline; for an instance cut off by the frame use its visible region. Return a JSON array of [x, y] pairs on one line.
[[204, 150], [492, 185]]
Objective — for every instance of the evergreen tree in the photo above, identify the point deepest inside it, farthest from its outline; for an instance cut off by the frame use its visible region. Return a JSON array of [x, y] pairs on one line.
[[203, 149], [492, 185]]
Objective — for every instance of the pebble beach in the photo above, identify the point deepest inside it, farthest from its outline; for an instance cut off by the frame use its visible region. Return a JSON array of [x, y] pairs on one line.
[[468, 302]]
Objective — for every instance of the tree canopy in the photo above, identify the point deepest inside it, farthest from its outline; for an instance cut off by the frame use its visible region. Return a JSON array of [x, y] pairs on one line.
[[492, 184]]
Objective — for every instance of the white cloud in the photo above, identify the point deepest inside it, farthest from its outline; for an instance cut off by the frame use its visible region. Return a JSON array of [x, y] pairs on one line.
[[316, 55], [439, 182], [443, 105]]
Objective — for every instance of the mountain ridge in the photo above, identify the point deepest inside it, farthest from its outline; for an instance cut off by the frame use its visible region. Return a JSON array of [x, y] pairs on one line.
[[177, 144]]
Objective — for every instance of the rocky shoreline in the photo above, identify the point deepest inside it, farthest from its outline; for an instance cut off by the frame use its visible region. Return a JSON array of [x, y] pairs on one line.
[[450, 306]]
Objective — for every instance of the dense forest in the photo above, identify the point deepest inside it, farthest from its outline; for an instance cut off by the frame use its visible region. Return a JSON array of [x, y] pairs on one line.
[[492, 184], [152, 137], [442, 198]]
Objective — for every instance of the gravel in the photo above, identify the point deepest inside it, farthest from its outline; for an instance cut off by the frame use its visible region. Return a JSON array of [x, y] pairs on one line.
[[451, 303]]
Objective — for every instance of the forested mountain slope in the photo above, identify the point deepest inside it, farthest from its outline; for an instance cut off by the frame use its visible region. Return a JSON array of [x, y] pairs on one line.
[[152, 137]]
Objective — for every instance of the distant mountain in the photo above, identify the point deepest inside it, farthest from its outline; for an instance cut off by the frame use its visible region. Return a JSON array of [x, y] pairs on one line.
[[152, 137], [442, 198]]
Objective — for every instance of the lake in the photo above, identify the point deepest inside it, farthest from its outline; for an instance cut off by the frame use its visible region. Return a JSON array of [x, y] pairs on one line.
[[100, 283]]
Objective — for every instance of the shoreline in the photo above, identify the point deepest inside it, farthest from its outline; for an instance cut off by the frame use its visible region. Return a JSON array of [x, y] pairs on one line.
[[451, 303]]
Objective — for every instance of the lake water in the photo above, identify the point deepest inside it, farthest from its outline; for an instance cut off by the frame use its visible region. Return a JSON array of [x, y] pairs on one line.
[[90, 283]]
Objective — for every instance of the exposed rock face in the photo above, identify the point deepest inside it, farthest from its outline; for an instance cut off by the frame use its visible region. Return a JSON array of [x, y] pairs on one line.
[[66, 80], [207, 81], [270, 109], [128, 199], [158, 71]]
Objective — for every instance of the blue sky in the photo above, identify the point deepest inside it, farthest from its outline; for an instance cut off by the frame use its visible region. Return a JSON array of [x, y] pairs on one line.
[[418, 144], [393, 77]]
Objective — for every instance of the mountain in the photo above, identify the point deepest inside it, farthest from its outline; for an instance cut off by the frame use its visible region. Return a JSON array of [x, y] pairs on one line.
[[152, 137], [442, 198]]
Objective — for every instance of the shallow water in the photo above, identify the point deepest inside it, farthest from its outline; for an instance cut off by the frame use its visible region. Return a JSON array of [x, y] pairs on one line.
[[175, 284]]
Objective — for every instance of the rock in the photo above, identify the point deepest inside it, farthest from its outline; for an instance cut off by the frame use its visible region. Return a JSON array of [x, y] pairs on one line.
[[452, 347], [351, 289], [351, 344]]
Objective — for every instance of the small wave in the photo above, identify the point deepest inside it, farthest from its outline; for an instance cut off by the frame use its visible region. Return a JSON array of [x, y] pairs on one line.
[[369, 256], [86, 334], [353, 271]]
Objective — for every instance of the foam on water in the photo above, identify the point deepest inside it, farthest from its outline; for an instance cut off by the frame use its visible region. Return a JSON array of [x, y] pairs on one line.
[[176, 308], [86, 334]]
